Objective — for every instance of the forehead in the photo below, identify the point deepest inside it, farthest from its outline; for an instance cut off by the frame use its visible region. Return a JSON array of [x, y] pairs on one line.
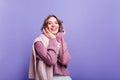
[[52, 19]]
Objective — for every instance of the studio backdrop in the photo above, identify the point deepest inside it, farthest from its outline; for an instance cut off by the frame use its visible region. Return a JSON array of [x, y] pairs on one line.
[[92, 34]]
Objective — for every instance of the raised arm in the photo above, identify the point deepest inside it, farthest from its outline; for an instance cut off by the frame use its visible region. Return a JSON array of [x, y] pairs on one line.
[[64, 55], [48, 55]]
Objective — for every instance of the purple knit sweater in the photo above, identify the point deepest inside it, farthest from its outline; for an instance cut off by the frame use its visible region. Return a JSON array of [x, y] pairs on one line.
[[52, 55]]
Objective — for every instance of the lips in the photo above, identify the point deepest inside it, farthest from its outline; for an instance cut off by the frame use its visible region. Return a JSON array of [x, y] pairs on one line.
[[54, 29]]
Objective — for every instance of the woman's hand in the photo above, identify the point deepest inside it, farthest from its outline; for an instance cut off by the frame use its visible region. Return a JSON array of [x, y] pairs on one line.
[[60, 36], [48, 33], [63, 32]]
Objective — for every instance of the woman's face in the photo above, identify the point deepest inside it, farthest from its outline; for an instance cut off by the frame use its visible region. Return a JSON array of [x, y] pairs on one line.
[[53, 25]]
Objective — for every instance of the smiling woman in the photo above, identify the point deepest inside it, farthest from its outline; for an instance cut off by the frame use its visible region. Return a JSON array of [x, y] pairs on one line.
[[50, 55]]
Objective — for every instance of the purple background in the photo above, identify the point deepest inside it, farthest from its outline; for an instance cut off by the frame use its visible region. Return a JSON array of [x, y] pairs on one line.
[[93, 36]]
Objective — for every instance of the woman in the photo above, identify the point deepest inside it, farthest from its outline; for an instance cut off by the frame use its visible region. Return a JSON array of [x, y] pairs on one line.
[[50, 55]]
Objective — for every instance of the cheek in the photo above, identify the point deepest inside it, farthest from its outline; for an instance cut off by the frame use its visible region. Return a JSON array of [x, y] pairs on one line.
[[49, 26], [57, 26]]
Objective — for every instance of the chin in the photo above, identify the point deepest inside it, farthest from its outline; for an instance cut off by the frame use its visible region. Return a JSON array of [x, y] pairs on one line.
[[54, 32]]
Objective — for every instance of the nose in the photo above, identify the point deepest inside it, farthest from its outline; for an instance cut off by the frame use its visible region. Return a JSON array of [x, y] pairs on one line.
[[53, 25]]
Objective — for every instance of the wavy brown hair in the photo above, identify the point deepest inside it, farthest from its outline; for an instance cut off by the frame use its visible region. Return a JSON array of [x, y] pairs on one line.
[[45, 23]]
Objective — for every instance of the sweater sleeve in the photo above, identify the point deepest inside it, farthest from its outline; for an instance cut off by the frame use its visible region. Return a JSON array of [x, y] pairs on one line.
[[64, 55], [49, 54]]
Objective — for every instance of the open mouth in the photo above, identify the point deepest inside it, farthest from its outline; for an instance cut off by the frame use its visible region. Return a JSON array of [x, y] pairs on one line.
[[54, 29]]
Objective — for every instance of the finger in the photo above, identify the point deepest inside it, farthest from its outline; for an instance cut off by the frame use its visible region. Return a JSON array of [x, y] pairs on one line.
[[48, 31], [63, 32], [44, 31]]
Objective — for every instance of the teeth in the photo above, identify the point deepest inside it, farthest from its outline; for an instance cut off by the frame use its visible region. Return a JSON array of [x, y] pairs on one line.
[[53, 29]]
